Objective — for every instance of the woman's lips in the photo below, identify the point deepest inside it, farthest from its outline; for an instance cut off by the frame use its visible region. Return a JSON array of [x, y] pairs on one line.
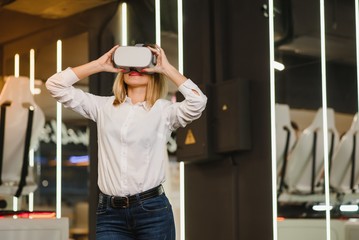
[[135, 73]]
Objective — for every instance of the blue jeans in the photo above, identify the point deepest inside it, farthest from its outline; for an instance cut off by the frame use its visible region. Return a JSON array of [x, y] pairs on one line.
[[151, 219]]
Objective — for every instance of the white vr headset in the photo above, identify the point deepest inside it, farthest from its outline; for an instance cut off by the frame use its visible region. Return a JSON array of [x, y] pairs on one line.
[[132, 58]]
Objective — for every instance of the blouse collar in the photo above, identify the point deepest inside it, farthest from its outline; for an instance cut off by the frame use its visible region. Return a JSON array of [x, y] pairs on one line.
[[143, 104]]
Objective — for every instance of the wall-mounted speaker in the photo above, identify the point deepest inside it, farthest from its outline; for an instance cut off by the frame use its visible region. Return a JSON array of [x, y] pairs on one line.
[[232, 131], [195, 141]]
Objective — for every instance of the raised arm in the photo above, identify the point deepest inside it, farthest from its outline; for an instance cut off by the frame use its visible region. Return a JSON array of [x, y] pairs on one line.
[[102, 64], [190, 109], [164, 67], [60, 85]]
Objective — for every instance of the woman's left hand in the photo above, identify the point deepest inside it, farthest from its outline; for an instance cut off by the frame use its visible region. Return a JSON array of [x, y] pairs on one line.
[[162, 65]]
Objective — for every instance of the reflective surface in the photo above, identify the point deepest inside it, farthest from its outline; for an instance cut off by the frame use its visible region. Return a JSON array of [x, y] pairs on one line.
[[75, 160], [298, 98], [342, 98], [300, 132]]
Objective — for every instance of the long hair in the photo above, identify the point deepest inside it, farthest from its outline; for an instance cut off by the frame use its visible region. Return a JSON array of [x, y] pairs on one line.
[[156, 89]]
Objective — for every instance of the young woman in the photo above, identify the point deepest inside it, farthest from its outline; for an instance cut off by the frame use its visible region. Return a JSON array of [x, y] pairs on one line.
[[134, 126]]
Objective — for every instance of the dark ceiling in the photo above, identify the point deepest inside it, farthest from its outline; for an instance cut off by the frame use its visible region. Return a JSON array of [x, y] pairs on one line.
[[15, 15], [42, 14], [297, 21], [297, 24]]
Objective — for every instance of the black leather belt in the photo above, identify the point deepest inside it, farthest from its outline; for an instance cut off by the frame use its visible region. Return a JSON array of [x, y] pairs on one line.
[[127, 201]]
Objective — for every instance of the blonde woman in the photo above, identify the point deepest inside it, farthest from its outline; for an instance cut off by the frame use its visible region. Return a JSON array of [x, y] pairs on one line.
[[133, 126]]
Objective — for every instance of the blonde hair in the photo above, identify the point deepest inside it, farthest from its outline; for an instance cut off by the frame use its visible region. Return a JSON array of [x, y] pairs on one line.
[[156, 89]]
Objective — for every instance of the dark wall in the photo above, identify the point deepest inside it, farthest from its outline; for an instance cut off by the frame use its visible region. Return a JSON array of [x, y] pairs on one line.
[[230, 198], [300, 84]]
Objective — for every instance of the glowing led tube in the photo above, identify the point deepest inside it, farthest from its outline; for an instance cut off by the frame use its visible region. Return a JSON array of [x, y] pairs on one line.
[[322, 208], [58, 136], [325, 119], [17, 65], [349, 208], [124, 24], [32, 90], [278, 66], [182, 165], [32, 71], [273, 120], [357, 46], [16, 74], [180, 35], [158, 22]]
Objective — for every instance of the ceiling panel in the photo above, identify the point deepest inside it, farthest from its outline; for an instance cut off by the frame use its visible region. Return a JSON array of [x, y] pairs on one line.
[[54, 8]]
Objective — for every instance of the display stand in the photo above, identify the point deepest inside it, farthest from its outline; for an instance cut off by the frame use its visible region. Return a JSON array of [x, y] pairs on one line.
[[21, 123], [39, 229]]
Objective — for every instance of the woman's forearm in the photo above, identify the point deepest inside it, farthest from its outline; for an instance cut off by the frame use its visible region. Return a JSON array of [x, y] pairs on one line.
[[102, 64], [174, 75], [87, 69]]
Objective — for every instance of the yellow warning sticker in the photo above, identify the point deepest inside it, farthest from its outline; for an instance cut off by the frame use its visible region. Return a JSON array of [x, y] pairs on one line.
[[189, 138]]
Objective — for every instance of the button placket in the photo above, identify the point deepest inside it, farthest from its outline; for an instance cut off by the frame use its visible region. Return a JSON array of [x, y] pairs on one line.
[[124, 150]]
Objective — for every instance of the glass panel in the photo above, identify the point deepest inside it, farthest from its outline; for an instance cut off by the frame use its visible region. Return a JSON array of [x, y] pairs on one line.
[[342, 101], [299, 125], [45, 196], [75, 139], [75, 135], [25, 202], [169, 42]]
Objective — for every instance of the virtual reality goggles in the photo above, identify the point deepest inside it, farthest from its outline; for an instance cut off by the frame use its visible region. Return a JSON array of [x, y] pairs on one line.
[[133, 58]]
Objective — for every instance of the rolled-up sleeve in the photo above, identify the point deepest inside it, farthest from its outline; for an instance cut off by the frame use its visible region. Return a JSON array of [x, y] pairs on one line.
[[60, 87], [190, 109]]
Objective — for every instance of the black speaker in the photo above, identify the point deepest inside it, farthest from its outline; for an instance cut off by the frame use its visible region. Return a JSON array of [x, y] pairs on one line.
[[232, 116], [195, 141]]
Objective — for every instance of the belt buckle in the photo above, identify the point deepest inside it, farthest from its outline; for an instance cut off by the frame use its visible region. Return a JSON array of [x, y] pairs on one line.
[[125, 199]]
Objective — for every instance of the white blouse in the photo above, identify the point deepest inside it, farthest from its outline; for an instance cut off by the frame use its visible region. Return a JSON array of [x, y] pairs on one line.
[[132, 139]]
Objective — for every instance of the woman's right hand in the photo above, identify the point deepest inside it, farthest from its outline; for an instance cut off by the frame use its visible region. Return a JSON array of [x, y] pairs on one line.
[[105, 61], [102, 64]]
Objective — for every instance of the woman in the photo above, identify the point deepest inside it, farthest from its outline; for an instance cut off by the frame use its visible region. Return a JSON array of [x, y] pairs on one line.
[[133, 126]]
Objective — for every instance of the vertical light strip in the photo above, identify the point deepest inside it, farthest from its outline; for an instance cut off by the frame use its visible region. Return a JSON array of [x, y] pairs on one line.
[[182, 164], [31, 158], [357, 45], [32, 71], [32, 90], [180, 35], [124, 24], [16, 74], [158, 22], [273, 120], [17, 65], [15, 203], [325, 118], [31, 202], [58, 136], [182, 203]]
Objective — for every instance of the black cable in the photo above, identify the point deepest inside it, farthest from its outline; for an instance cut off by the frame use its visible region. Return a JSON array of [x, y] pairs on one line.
[[25, 163]]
